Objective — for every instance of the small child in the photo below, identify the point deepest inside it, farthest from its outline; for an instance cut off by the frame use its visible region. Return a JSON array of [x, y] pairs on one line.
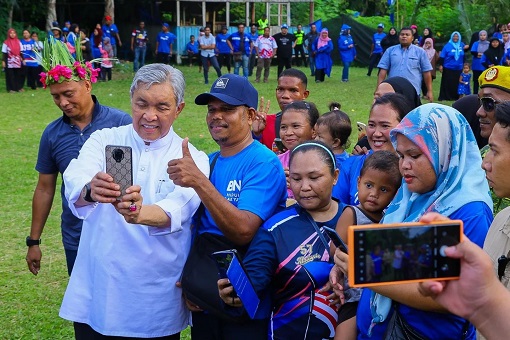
[[106, 63], [334, 129], [192, 50], [378, 183], [464, 79]]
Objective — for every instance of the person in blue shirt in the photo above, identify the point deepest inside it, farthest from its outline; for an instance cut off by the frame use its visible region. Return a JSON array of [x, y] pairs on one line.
[[223, 49], [61, 141], [289, 257], [238, 197], [451, 61], [376, 49], [321, 49], [111, 31], [31, 64], [192, 50], [240, 46], [254, 34], [347, 50], [477, 50], [433, 142], [408, 61], [387, 111], [164, 44]]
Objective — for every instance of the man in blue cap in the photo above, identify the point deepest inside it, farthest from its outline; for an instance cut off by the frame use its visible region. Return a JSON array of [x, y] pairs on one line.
[[247, 186], [286, 43], [164, 43], [376, 49]]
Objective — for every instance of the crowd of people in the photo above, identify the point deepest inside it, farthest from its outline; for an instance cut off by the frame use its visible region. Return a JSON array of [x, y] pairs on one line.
[[150, 245]]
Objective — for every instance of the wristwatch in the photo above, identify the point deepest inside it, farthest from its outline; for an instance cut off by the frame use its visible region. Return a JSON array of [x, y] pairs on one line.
[[31, 242], [88, 191]]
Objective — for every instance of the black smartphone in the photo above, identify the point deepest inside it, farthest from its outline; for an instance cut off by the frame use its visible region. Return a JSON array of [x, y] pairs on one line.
[[407, 252], [119, 165], [223, 259], [335, 238], [279, 144]]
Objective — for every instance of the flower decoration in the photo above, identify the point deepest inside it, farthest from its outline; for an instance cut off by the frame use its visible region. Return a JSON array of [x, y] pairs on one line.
[[60, 65]]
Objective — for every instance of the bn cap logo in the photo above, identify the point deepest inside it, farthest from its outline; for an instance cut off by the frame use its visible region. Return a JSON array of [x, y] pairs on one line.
[[491, 74], [221, 83]]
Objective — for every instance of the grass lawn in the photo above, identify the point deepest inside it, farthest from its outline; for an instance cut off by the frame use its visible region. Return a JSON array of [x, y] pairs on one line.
[[29, 304]]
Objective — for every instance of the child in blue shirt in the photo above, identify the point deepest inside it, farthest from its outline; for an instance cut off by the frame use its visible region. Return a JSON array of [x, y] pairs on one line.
[[464, 79]]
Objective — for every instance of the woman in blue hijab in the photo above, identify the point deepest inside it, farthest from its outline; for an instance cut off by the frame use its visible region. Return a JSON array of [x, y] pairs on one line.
[[441, 169], [451, 61]]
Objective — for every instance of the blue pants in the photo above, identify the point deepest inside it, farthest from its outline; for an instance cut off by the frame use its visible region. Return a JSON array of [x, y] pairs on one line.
[[345, 71], [214, 63], [139, 57], [70, 259], [245, 62]]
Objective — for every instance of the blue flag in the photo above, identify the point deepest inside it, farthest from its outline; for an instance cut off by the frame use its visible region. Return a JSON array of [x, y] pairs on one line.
[[318, 24]]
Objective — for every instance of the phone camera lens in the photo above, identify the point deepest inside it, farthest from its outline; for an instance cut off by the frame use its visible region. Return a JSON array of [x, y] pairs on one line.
[[118, 155]]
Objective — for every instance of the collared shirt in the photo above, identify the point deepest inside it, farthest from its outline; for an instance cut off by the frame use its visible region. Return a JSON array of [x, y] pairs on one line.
[[111, 32], [266, 46], [206, 41], [409, 63], [235, 40], [123, 281], [497, 242], [60, 143]]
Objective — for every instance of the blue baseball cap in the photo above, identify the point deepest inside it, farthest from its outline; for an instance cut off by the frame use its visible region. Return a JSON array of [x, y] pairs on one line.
[[285, 26], [231, 89], [166, 25]]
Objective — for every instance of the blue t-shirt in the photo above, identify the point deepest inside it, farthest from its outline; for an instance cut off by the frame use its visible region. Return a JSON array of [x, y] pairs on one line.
[[60, 143], [165, 40], [376, 40], [28, 53], [410, 63], [235, 40], [476, 64], [347, 54], [221, 43], [448, 54], [346, 188], [252, 180], [192, 47], [274, 262], [110, 32], [253, 38], [340, 158], [477, 218]]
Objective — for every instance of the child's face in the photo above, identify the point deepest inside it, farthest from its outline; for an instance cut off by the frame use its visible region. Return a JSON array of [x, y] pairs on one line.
[[376, 189], [295, 128], [466, 69], [506, 37], [324, 135]]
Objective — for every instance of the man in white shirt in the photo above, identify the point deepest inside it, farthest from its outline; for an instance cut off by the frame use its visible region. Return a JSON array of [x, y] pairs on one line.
[[133, 247]]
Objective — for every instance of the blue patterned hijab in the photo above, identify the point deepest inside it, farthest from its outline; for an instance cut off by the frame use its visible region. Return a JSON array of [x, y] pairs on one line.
[[445, 137], [457, 45]]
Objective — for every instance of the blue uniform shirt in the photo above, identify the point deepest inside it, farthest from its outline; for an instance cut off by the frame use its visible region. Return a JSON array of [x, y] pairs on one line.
[[235, 40], [410, 63], [60, 143], [221, 43], [376, 40], [253, 38], [192, 47], [252, 180], [165, 40], [448, 54], [110, 32], [346, 188]]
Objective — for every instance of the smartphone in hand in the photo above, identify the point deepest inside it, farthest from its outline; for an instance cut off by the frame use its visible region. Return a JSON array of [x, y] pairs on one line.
[[119, 165]]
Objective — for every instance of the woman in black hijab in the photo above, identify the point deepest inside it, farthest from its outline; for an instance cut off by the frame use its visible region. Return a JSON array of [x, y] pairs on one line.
[[494, 54], [391, 39]]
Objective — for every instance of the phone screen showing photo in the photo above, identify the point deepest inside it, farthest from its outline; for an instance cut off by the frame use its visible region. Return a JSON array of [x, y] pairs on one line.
[[394, 254]]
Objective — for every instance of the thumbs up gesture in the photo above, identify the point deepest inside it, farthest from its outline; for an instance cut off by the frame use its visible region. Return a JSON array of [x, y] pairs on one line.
[[183, 171]]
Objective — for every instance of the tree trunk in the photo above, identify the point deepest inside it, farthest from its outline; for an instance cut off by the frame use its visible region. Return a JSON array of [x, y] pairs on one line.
[[52, 13], [109, 8], [9, 16]]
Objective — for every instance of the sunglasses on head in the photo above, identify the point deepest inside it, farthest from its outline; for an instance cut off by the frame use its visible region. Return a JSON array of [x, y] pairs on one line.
[[489, 103]]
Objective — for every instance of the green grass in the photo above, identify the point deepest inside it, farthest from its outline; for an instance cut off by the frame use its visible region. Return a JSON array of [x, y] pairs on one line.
[[29, 304]]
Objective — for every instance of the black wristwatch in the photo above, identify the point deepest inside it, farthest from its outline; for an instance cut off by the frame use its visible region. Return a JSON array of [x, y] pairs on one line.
[[31, 242], [88, 191]]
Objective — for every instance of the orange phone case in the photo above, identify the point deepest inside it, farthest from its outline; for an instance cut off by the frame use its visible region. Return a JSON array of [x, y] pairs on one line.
[[354, 250]]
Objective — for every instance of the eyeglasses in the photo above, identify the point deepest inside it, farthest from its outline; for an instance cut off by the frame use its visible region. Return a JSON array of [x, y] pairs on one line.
[[489, 103]]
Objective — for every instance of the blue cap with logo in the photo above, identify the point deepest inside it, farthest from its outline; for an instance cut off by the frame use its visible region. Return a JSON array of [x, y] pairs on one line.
[[231, 89], [285, 26]]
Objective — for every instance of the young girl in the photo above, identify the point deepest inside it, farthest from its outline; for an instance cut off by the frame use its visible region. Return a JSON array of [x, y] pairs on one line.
[[297, 126], [106, 63], [12, 62], [378, 183], [464, 79], [334, 129]]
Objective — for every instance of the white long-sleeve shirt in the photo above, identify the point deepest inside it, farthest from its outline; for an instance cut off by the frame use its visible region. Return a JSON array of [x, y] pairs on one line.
[[123, 280]]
